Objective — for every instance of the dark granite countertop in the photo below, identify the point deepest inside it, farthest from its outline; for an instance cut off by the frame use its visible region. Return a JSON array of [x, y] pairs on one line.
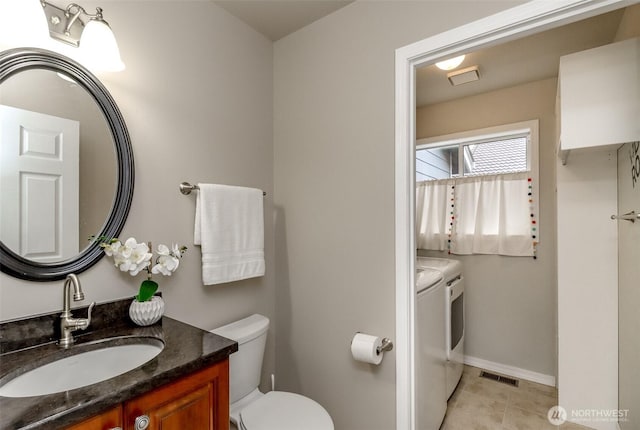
[[29, 343]]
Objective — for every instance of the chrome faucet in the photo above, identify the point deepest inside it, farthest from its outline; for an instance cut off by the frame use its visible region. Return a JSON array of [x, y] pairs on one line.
[[68, 324]]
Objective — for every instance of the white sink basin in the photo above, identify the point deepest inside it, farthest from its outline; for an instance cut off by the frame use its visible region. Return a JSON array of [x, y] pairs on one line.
[[81, 369]]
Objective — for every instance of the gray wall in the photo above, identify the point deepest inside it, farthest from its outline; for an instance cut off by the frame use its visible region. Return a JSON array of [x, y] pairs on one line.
[[197, 98], [334, 179], [511, 302]]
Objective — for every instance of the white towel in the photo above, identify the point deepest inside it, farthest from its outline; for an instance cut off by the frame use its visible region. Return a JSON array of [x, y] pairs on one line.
[[229, 227]]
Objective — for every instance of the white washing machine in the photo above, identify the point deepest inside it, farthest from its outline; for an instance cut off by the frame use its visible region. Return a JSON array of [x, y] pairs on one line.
[[431, 382], [454, 315]]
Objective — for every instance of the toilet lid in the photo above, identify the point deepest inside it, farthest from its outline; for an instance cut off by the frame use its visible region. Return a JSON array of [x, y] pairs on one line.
[[279, 410]]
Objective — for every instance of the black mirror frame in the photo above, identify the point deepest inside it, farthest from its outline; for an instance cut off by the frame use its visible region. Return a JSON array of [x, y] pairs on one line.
[[20, 59]]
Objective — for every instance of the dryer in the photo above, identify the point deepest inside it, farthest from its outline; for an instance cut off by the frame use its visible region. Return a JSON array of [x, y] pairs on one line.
[[454, 315], [431, 382]]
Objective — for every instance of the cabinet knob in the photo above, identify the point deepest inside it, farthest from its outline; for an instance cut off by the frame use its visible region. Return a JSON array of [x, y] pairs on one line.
[[142, 422], [116, 428]]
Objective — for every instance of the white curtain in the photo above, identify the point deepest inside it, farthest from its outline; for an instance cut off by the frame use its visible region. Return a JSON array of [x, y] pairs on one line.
[[432, 219], [477, 215]]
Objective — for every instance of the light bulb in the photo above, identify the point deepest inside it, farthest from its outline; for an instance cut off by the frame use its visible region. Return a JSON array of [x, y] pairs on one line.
[[99, 49], [451, 63], [23, 23]]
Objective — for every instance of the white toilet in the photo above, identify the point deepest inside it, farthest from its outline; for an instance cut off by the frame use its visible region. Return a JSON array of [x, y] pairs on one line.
[[252, 410]]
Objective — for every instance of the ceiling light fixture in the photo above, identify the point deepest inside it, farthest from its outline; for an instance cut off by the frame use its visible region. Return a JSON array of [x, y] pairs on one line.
[[91, 34], [451, 63], [464, 76]]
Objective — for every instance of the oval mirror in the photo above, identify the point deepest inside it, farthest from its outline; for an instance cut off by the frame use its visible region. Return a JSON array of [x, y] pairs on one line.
[[66, 165]]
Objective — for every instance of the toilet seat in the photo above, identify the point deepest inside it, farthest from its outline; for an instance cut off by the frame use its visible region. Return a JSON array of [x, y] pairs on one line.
[[279, 410]]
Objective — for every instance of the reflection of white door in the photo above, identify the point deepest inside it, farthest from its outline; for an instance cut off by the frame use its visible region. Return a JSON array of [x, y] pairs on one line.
[[629, 285], [39, 164]]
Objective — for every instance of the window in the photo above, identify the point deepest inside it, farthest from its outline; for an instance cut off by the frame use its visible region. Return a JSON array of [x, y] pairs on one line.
[[477, 192], [496, 150]]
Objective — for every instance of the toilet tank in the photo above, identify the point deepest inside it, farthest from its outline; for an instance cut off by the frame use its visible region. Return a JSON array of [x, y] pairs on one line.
[[245, 366]]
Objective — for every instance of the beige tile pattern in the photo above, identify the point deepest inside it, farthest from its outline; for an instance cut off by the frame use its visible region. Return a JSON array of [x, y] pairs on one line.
[[483, 404]]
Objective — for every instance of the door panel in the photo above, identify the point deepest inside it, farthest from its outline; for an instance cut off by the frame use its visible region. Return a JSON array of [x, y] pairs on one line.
[[39, 162], [191, 411]]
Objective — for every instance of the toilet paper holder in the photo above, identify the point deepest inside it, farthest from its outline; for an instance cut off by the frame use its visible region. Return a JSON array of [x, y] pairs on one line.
[[369, 349], [387, 345]]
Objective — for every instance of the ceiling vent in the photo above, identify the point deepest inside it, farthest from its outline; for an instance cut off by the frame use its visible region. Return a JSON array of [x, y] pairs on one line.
[[464, 76]]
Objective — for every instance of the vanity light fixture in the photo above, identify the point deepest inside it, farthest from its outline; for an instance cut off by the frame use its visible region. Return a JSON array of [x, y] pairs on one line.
[[91, 34], [22, 23], [451, 63]]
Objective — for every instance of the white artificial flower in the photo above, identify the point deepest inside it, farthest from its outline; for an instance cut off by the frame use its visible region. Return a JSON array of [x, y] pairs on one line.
[[125, 265], [128, 247], [120, 261], [134, 269], [134, 257], [140, 258], [112, 248], [172, 263], [131, 257], [160, 268], [140, 253], [167, 263]]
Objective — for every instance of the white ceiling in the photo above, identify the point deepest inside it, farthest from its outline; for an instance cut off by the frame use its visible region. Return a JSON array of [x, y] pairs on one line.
[[278, 18], [525, 60]]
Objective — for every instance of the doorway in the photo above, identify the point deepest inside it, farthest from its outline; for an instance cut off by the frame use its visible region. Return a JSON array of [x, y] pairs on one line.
[[509, 25]]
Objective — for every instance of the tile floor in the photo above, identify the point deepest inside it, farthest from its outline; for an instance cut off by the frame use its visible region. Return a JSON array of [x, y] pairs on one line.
[[483, 404]]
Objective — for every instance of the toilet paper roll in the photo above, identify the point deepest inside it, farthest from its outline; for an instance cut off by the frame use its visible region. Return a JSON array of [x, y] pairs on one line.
[[364, 347]]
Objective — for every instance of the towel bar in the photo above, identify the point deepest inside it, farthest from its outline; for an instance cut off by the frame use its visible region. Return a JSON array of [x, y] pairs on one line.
[[186, 188], [631, 216]]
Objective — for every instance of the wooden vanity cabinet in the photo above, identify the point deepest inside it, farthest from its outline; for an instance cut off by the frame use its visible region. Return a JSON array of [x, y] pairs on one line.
[[198, 401], [110, 420]]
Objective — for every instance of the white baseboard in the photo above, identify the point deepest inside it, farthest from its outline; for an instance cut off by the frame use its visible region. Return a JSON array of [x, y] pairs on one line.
[[512, 371]]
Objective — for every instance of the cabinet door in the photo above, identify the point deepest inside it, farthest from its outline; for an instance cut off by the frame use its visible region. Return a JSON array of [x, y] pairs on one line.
[[599, 91], [198, 401], [191, 411], [110, 420]]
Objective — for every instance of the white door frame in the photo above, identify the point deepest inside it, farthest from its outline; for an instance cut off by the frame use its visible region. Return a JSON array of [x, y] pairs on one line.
[[520, 21]]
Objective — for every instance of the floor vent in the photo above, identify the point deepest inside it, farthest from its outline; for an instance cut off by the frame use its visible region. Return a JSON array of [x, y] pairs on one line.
[[498, 378]]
